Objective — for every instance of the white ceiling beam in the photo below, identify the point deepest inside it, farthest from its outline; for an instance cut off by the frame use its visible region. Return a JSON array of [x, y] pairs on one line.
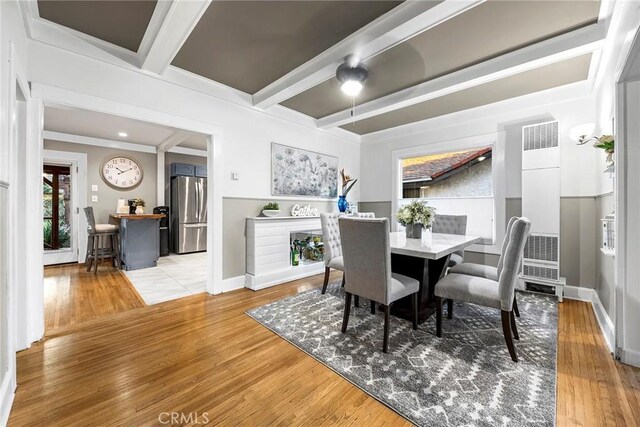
[[176, 138], [566, 46], [165, 39], [188, 151], [97, 142], [401, 23], [30, 12]]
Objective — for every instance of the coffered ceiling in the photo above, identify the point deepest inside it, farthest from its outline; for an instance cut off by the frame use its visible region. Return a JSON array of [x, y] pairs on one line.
[[425, 58]]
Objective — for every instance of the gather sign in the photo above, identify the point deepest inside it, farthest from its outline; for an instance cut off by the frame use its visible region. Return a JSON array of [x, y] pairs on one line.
[[307, 210]]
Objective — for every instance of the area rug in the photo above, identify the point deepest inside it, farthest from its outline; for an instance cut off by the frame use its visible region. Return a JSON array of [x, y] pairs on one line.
[[464, 378]]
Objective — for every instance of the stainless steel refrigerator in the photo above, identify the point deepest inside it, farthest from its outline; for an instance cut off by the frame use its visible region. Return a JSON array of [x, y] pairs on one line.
[[189, 214]]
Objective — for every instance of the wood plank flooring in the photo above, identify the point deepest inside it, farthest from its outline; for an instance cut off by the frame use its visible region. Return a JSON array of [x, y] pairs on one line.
[[202, 354], [72, 295]]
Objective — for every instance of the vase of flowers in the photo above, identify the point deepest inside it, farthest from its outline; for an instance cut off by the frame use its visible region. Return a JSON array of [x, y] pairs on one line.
[[347, 185], [415, 217]]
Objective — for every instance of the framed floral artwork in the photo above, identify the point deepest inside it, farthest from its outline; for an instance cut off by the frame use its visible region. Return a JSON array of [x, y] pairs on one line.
[[298, 172]]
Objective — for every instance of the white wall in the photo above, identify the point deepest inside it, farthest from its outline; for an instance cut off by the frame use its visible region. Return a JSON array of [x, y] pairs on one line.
[[11, 33], [508, 116], [624, 23], [248, 132]]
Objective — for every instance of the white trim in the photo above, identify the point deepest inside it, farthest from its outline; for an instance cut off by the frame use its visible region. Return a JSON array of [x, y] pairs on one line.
[[604, 322], [630, 357], [232, 284], [563, 47], [160, 177], [78, 202], [179, 21], [401, 23], [7, 394], [214, 214], [497, 141], [98, 142]]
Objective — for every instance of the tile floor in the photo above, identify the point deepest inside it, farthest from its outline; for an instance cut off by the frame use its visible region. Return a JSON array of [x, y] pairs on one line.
[[176, 276]]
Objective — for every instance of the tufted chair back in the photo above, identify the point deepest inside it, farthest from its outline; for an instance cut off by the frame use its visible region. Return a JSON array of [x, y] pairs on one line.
[[512, 260], [368, 215], [330, 236], [450, 224]]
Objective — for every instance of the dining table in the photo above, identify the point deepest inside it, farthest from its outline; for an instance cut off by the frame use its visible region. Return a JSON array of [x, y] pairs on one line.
[[425, 260]]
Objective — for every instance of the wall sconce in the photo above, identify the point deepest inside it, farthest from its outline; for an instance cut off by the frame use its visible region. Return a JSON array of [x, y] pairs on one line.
[[583, 133]]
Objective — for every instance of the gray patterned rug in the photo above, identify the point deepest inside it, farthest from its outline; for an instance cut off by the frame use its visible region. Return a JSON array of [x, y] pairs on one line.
[[465, 378]]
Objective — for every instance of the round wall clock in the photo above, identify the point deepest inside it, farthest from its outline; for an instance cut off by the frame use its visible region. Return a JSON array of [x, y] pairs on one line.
[[121, 172]]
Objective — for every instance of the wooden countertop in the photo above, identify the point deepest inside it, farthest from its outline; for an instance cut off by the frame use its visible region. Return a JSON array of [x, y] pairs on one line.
[[136, 216]]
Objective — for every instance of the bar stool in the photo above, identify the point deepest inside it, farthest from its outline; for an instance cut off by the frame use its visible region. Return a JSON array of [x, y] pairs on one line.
[[96, 240]]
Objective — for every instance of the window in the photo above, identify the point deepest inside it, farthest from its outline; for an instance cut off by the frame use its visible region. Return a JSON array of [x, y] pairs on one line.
[[56, 197], [455, 183]]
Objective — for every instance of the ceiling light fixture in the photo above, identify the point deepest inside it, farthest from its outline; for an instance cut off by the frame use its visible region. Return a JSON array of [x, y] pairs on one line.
[[481, 158], [352, 75], [123, 134]]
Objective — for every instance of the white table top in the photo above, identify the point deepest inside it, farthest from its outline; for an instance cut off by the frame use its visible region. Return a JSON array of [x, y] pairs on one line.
[[431, 246]]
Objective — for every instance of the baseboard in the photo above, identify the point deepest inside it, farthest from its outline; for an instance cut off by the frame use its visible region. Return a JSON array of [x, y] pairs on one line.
[[232, 284], [7, 393], [605, 323], [578, 293], [630, 357]]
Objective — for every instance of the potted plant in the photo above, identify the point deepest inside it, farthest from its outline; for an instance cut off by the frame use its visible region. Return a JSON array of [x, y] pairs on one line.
[[606, 143], [347, 185], [416, 216], [271, 209], [139, 204]]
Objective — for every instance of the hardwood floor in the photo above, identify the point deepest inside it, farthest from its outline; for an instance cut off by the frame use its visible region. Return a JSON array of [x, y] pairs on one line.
[[202, 354], [72, 295]]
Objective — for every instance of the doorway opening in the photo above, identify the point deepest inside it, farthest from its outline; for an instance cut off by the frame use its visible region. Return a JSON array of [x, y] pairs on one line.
[[56, 203]]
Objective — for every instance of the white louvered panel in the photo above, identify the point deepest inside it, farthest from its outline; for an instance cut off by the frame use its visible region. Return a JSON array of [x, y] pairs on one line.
[[264, 230], [282, 239], [259, 251], [541, 201]]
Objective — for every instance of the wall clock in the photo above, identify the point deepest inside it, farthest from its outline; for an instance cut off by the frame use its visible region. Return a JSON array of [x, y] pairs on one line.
[[121, 172]]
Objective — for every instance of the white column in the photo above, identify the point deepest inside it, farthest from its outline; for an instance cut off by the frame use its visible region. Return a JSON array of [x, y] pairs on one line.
[[214, 214], [160, 178]]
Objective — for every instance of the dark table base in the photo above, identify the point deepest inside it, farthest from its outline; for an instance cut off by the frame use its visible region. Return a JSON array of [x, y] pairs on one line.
[[427, 272]]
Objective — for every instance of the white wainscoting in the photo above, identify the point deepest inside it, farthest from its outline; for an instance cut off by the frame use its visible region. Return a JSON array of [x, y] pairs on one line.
[[268, 251]]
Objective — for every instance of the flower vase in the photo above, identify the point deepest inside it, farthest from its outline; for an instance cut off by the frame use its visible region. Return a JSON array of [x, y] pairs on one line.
[[414, 231], [139, 210], [342, 204]]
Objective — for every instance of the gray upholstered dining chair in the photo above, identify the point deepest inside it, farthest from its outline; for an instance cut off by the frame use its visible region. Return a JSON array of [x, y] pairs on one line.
[[451, 224], [367, 261], [489, 293], [332, 246], [365, 215], [486, 271]]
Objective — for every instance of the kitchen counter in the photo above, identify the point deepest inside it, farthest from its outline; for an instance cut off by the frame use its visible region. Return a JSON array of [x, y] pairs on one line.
[[137, 216], [139, 239]]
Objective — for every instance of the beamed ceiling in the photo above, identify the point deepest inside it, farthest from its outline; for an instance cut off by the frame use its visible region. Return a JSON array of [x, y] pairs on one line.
[[286, 51]]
